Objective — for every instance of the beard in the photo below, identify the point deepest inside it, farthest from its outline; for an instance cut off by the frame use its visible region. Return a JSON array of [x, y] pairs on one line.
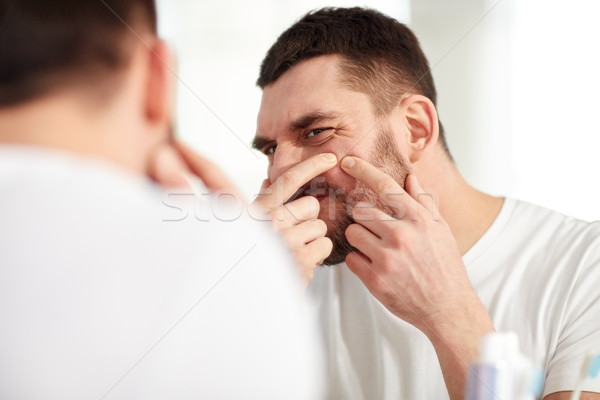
[[337, 212]]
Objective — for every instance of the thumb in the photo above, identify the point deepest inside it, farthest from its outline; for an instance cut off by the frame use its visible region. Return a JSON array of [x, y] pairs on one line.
[[427, 199]]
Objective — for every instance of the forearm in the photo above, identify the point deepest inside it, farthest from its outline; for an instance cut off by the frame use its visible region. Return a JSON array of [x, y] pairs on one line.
[[456, 340]]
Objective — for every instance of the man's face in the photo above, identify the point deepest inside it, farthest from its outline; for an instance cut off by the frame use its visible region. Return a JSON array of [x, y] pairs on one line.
[[308, 111]]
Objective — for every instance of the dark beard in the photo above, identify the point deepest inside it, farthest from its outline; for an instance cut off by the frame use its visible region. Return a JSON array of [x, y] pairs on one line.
[[387, 158]]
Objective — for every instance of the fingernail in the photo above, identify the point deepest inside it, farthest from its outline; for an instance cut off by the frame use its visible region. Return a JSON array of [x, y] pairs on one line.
[[348, 162], [330, 158]]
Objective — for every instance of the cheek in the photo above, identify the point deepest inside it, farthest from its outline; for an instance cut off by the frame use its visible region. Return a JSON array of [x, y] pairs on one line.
[[336, 176]]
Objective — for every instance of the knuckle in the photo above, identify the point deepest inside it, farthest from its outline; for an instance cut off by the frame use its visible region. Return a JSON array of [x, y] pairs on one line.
[[397, 240]]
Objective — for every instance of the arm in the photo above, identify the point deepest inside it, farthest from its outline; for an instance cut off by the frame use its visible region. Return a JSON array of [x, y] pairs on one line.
[[410, 262], [567, 396]]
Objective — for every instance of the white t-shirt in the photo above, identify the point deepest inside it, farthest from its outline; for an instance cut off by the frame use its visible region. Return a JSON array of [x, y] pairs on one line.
[[536, 271], [110, 289]]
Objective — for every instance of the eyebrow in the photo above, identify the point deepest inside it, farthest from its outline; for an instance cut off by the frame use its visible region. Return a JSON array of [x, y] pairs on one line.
[[260, 142], [302, 122], [306, 120]]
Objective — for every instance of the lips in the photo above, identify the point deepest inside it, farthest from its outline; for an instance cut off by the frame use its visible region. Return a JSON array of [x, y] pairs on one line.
[[320, 198], [317, 188]]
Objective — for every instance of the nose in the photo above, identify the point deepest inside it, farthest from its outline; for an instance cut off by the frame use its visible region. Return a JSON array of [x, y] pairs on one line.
[[285, 157]]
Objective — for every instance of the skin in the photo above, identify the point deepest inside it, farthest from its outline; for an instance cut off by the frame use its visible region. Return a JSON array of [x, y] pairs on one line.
[[411, 261], [132, 130], [567, 396], [297, 220]]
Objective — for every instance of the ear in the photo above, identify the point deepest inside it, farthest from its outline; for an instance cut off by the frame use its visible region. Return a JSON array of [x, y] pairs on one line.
[[159, 86], [420, 118]]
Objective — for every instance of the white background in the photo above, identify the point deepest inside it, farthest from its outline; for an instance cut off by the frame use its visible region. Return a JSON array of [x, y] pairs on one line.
[[517, 82]]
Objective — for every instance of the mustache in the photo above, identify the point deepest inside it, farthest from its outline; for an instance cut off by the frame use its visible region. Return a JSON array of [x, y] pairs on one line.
[[316, 187]]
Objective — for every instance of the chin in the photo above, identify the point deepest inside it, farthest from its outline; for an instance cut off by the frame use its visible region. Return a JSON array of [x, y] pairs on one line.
[[336, 231]]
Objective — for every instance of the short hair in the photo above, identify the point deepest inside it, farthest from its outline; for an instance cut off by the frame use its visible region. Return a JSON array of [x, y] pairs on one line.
[[381, 57], [45, 45]]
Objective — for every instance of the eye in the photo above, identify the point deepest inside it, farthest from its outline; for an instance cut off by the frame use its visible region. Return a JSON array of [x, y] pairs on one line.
[[316, 136], [314, 132], [270, 150]]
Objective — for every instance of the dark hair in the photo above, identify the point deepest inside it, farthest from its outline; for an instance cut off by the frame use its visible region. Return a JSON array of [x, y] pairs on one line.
[[48, 44], [380, 56]]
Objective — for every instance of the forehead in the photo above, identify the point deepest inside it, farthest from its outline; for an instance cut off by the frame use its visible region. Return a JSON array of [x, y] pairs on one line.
[[313, 86]]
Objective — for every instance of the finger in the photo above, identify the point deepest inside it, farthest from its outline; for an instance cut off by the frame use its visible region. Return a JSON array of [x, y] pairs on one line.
[[318, 250], [212, 176], [387, 189], [362, 239], [167, 168], [360, 265], [304, 233], [294, 213], [304, 208], [364, 269], [263, 191], [372, 218], [290, 181], [427, 200], [265, 184]]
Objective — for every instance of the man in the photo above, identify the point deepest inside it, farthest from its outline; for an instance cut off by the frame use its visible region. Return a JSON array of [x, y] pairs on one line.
[[99, 296], [421, 275]]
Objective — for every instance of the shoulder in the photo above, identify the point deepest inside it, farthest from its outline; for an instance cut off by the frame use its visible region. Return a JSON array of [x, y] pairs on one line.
[[98, 250], [552, 227]]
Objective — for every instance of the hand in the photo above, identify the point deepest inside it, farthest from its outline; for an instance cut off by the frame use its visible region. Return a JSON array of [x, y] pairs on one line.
[[171, 163], [297, 221], [410, 262]]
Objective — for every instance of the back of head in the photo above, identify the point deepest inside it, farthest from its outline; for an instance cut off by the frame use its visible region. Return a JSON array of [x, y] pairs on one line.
[[48, 45], [381, 57]]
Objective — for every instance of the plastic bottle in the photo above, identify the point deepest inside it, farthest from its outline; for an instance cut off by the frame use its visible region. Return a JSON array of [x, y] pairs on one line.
[[501, 372]]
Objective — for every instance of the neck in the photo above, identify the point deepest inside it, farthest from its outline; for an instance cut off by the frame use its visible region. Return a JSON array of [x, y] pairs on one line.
[[468, 211], [66, 122]]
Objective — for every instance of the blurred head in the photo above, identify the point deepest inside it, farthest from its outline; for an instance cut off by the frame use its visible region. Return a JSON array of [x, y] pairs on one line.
[[102, 52], [351, 82], [47, 45]]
